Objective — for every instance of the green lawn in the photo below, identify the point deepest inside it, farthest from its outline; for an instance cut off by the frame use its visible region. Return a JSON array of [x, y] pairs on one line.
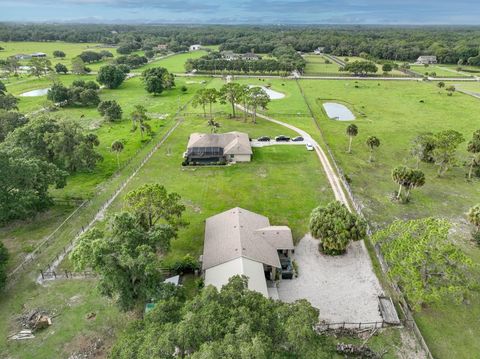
[[282, 182]]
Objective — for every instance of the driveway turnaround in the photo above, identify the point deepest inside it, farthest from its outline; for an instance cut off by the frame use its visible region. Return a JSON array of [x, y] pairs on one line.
[[344, 288]]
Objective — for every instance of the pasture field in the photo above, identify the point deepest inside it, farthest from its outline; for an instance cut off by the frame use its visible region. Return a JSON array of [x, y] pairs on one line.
[[393, 112], [316, 65], [439, 70], [174, 63]]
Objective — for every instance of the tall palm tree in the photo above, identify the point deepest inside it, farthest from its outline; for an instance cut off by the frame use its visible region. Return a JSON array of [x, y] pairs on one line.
[[352, 131], [372, 142], [473, 147], [117, 147]]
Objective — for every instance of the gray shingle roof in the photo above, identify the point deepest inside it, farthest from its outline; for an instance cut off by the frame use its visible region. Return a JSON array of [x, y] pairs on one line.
[[233, 143], [240, 233]]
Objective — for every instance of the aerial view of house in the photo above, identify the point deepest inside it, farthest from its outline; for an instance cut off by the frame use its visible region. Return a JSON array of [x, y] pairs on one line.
[[240, 242], [215, 148]]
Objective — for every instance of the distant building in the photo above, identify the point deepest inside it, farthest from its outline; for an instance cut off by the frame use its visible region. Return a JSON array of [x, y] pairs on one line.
[[426, 60], [319, 50], [195, 47], [229, 55], [162, 46], [222, 147], [250, 56], [22, 56], [38, 54]]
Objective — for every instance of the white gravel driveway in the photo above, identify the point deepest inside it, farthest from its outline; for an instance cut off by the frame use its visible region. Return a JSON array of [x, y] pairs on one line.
[[344, 288]]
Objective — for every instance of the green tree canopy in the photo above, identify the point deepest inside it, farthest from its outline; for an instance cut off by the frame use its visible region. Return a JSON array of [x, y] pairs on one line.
[[408, 179], [111, 76], [351, 131], [110, 109], [360, 67], [152, 204], [231, 93], [372, 143], [61, 68], [9, 121], [3, 265], [336, 227], [256, 98], [24, 184], [234, 323], [424, 262], [157, 80]]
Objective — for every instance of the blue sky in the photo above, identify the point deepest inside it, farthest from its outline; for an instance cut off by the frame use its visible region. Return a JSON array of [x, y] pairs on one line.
[[415, 12]]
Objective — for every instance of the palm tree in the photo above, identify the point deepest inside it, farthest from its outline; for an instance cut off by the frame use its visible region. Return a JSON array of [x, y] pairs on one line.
[[214, 125], [407, 178], [473, 216], [372, 142], [257, 97], [473, 147], [352, 131], [139, 120], [117, 147]]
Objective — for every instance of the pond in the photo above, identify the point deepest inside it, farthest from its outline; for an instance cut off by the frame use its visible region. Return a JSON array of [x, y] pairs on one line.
[[339, 112], [274, 95], [35, 93]]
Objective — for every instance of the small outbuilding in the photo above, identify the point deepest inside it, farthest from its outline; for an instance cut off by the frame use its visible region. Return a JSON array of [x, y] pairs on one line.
[[195, 47], [38, 54], [426, 60]]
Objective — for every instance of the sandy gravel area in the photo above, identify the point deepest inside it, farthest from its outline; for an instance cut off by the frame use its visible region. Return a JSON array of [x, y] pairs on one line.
[[344, 288]]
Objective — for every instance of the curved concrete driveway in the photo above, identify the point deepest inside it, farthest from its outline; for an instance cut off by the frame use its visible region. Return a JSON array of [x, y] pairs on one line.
[[332, 177]]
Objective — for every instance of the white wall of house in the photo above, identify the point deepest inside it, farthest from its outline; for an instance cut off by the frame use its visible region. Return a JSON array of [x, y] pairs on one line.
[[240, 158], [219, 275]]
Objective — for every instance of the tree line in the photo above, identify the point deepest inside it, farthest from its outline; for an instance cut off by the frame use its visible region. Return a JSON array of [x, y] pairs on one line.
[[450, 45]]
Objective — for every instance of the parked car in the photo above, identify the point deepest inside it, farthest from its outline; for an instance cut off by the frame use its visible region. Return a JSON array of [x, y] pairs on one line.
[[297, 139], [263, 139], [282, 138], [309, 147]]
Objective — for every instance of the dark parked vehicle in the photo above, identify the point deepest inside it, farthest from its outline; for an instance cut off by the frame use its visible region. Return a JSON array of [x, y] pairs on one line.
[[263, 139], [282, 138], [297, 139]]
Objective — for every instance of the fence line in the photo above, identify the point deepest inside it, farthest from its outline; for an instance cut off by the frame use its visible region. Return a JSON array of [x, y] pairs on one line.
[[405, 308], [101, 212]]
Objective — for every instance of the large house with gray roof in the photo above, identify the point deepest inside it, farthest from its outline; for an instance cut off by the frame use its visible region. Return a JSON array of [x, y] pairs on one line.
[[218, 148], [241, 242]]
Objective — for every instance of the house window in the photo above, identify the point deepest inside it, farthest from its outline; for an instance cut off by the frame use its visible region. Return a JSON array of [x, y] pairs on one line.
[[232, 157]]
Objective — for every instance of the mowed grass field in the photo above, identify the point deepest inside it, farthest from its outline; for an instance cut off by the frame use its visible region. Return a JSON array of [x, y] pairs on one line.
[[316, 65], [439, 70]]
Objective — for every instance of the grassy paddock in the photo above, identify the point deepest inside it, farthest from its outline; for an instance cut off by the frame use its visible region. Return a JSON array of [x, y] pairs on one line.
[[395, 114]]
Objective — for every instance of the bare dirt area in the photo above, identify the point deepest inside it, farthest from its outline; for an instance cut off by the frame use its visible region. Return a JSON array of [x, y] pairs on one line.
[[344, 288]]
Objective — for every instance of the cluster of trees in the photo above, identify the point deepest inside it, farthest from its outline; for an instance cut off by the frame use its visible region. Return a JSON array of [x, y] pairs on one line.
[[127, 255], [110, 110], [7, 100], [132, 61], [37, 154], [89, 56], [251, 99], [112, 76], [424, 262], [208, 64], [80, 93], [233, 323], [39, 66], [336, 227], [158, 79], [360, 68], [450, 45]]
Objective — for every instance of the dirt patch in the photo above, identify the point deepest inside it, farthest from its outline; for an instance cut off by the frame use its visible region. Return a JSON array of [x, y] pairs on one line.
[[88, 347]]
